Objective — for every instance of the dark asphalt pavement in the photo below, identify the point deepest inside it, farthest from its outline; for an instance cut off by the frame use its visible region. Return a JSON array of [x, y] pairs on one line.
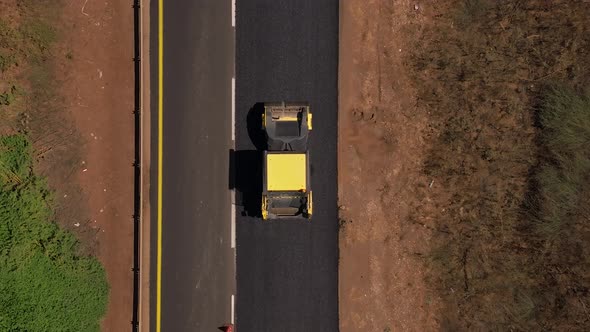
[[197, 260], [287, 270]]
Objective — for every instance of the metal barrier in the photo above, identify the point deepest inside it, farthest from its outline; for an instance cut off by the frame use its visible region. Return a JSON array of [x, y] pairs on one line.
[[137, 166]]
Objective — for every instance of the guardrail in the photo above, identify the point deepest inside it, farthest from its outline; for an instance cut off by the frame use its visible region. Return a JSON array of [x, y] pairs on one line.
[[137, 183]]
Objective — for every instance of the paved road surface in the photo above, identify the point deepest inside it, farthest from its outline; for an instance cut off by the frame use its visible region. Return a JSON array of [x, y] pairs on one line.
[[197, 260], [287, 273]]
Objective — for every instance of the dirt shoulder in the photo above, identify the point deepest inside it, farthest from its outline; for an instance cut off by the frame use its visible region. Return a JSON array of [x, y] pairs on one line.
[[382, 285], [95, 74], [145, 208]]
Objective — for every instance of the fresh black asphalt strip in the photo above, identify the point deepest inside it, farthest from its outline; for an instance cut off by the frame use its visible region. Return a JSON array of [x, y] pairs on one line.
[[287, 270]]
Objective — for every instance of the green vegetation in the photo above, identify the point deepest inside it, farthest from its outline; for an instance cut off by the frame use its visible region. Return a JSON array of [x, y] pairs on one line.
[[24, 49], [564, 173], [28, 41], [471, 10], [8, 96], [511, 150], [45, 285]]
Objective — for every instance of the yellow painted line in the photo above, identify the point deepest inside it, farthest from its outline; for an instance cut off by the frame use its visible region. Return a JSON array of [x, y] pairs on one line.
[[160, 150]]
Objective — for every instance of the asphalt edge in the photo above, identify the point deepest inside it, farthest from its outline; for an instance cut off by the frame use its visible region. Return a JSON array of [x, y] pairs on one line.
[[143, 44], [233, 228]]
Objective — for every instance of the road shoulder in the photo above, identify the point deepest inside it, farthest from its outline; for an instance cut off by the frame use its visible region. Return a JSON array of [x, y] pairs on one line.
[[145, 163], [381, 282]]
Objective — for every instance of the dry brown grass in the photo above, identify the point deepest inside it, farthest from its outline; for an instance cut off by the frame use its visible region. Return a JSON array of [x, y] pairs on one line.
[[481, 69]]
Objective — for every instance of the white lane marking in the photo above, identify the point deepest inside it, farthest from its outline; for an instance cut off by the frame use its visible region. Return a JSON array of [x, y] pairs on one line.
[[233, 225], [233, 108], [232, 309], [233, 13]]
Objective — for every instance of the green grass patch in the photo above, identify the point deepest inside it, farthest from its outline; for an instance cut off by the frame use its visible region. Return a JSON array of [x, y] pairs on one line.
[[9, 96], [471, 10], [27, 86], [30, 40], [564, 172], [26, 46], [45, 284]]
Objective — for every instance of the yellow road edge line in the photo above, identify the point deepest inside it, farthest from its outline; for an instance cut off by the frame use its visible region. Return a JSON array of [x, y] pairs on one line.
[[160, 150]]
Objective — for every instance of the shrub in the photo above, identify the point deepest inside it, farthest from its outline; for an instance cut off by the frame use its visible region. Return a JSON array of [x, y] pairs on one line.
[[45, 285]]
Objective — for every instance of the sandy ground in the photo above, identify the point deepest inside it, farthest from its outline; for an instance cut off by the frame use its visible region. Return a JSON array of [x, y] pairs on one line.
[[95, 70], [382, 146]]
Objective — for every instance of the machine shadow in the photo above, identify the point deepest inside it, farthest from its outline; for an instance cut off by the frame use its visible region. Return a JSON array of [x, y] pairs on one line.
[[245, 174], [254, 124], [246, 179]]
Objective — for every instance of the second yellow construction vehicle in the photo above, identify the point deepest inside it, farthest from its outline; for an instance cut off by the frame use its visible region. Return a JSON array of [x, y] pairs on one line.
[[286, 177]]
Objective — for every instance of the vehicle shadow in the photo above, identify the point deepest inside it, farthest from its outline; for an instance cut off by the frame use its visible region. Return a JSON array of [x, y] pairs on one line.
[[254, 125], [246, 179], [245, 175]]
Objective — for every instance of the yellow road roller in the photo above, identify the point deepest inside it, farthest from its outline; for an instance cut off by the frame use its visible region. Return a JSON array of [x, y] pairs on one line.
[[286, 166]]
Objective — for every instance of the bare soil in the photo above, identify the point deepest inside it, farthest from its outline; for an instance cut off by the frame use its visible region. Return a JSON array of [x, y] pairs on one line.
[[382, 286], [87, 141]]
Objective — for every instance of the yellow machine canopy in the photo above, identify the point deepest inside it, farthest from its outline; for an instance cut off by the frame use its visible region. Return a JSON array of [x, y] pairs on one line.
[[286, 172]]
